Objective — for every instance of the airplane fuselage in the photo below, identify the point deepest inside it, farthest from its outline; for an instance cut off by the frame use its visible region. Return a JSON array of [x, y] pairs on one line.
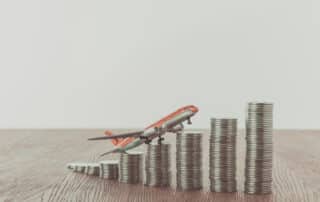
[[171, 123]]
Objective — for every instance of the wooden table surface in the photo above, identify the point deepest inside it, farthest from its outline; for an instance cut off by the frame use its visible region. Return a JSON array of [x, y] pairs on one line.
[[33, 168]]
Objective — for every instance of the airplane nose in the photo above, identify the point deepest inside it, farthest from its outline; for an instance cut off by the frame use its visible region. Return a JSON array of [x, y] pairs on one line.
[[193, 108]]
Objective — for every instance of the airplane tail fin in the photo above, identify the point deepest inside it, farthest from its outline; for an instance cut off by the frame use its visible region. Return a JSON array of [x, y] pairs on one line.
[[114, 141]]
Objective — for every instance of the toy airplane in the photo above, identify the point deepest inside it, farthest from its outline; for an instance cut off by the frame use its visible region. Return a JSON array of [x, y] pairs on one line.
[[172, 123]]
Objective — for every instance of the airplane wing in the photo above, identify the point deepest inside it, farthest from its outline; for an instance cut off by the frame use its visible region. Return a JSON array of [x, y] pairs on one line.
[[112, 151], [123, 135]]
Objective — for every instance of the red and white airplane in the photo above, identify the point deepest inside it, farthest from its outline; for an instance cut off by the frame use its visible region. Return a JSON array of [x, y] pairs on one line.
[[171, 123]]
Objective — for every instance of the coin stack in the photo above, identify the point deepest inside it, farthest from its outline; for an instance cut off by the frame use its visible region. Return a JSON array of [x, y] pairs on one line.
[[130, 168], [189, 161], [80, 168], [77, 167], [223, 155], [157, 165], [259, 127], [92, 169], [71, 166], [109, 169]]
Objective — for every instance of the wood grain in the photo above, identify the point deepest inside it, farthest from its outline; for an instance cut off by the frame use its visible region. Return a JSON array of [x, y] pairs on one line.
[[33, 168]]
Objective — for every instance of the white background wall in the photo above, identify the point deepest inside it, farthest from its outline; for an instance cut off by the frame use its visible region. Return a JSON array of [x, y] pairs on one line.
[[124, 63]]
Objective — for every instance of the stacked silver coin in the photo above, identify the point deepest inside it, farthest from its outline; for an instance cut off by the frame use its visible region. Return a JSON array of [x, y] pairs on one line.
[[71, 166], [259, 130], [92, 169], [189, 161], [130, 167], [109, 169], [222, 155], [77, 167], [157, 165]]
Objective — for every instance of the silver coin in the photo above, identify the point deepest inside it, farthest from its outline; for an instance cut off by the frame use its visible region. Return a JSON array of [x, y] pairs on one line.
[[92, 169], [109, 169], [130, 167], [71, 166], [157, 165], [189, 161], [259, 151], [217, 185], [77, 167], [222, 155]]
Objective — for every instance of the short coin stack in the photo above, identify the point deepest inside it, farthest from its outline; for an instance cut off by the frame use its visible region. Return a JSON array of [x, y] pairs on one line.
[[189, 161], [130, 167], [222, 155], [72, 166], [92, 169], [259, 127], [109, 169], [157, 165], [80, 167], [77, 167]]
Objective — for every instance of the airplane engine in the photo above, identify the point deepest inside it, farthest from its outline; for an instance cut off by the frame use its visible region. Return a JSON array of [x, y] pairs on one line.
[[176, 129]]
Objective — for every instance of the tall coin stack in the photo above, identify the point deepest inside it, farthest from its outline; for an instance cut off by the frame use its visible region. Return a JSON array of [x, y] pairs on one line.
[[189, 161], [109, 169], [259, 129], [157, 165], [130, 167], [222, 155]]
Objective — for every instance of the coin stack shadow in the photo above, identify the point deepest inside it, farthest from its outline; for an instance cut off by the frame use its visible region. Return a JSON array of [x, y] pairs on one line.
[[222, 154], [130, 168], [157, 165], [259, 130], [189, 161], [109, 169]]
